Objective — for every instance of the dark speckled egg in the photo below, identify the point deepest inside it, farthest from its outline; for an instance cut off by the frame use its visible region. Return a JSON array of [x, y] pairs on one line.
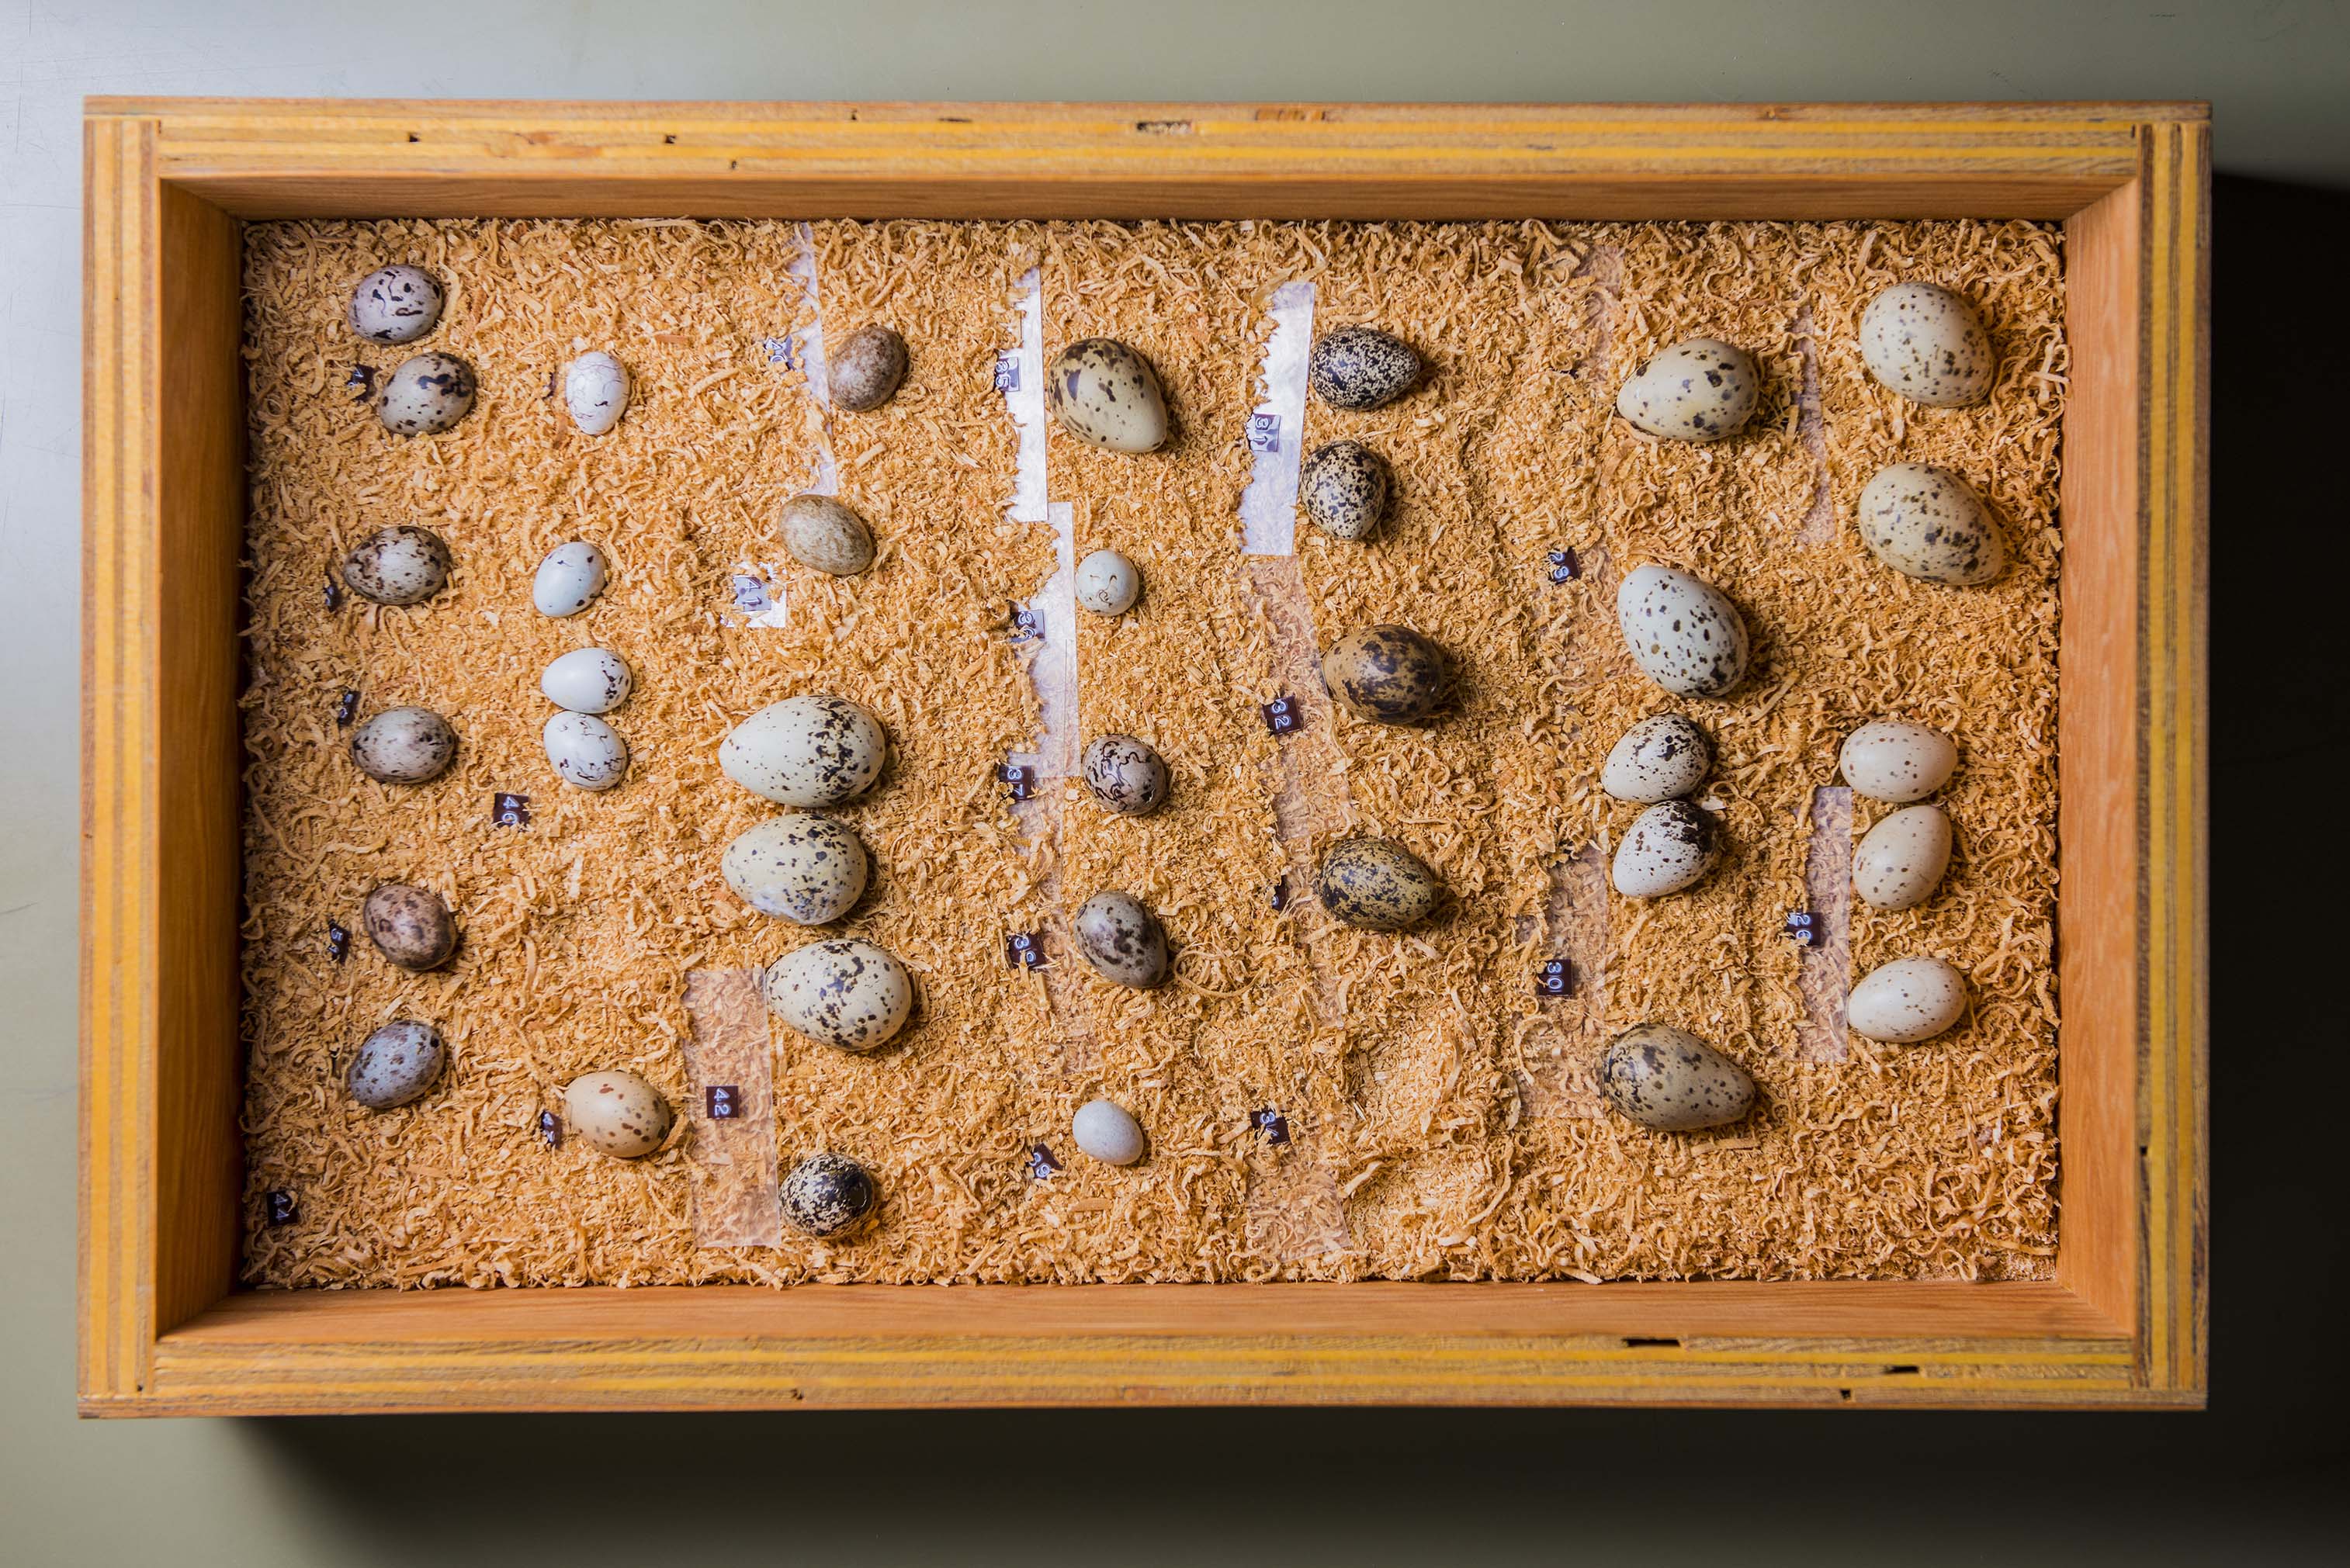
[[804, 868], [1125, 774], [849, 994], [397, 1064], [826, 1193], [1670, 847], [411, 926], [1106, 395], [426, 395], [1376, 884], [396, 304], [1361, 367], [1387, 673], [401, 565], [1344, 488], [1668, 1079], [1121, 939]]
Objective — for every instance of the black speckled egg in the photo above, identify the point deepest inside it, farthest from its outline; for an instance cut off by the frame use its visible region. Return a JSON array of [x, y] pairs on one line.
[[397, 1064], [806, 868], [1361, 367], [1344, 489], [402, 565], [1668, 1079], [1106, 395], [1122, 939], [396, 304], [1682, 631], [1125, 774], [826, 1193], [1671, 847], [849, 994], [1376, 884], [1387, 673], [426, 395], [864, 372], [1926, 523], [821, 532], [408, 924], [404, 745]]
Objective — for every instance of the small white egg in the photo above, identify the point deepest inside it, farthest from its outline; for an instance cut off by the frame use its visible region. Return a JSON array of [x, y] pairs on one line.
[[585, 751], [1682, 631], [396, 304], [1888, 760], [1662, 757], [1907, 1000], [588, 681], [818, 750], [1106, 395], [1700, 389], [596, 390], [848, 993], [1926, 523], [1671, 847], [617, 1112], [1900, 861], [798, 867], [1927, 343], [1105, 1131], [568, 579], [1109, 583]]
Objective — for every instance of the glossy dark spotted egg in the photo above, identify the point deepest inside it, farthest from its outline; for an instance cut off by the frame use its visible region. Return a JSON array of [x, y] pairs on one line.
[[1376, 884], [1344, 489], [826, 1193], [1361, 367], [1387, 673]]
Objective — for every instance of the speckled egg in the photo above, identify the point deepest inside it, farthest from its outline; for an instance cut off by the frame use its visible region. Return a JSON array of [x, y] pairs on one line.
[[617, 1112], [1109, 583], [1885, 759], [1105, 1131], [588, 681], [1668, 1079], [402, 565], [1668, 848], [397, 1064], [1927, 343], [1700, 389], [585, 750], [821, 532], [800, 867], [596, 391], [408, 924], [826, 1193], [404, 745], [848, 994], [1387, 673], [568, 579], [1344, 489], [1663, 757], [1375, 884], [1361, 367], [1122, 939], [426, 395], [1907, 1000], [1901, 860], [397, 304], [1125, 774], [1926, 523], [806, 751], [1682, 631], [865, 369], [1106, 395]]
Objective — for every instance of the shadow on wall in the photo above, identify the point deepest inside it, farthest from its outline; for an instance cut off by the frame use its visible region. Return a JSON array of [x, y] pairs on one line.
[[1304, 1486]]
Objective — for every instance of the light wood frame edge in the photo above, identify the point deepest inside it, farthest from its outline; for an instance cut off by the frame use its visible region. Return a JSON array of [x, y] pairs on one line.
[[153, 1339]]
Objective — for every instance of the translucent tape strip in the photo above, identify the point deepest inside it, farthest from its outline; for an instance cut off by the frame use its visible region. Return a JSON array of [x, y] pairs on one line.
[[734, 1200], [1826, 973], [1559, 1037]]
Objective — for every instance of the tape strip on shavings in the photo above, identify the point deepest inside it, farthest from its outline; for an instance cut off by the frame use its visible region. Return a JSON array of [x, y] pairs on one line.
[[1826, 972], [1559, 1040], [1276, 429], [734, 1200]]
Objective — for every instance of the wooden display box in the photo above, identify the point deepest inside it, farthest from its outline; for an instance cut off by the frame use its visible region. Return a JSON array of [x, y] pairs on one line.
[[164, 1331]]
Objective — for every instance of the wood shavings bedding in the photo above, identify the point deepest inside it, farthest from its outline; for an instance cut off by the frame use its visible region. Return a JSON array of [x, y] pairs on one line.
[[1441, 1124]]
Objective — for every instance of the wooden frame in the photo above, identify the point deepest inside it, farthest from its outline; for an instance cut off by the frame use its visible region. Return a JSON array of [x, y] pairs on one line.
[[163, 1332]]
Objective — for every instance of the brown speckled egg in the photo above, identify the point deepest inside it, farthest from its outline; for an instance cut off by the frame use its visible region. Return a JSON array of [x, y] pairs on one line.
[[820, 531], [1376, 885], [1907, 1000], [1888, 760], [848, 993], [1344, 489], [1682, 631], [1387, 673], [1670, 847], [1668, 1079], [865, 371], [408, 924], [798, 867], [1106, 395], [1125, 774], [818, 750], [1927, 343], [1926, 523], [1700, 390], [616, 1111], [1663, 757], [1901, 862], [1357, 367], [1122, 939], [426, 395], [404, 745], [397, 1064], [396, 304], [402, 565], [826, 1193]]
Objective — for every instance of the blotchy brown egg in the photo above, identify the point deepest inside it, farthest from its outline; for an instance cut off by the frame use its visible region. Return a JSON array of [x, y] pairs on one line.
[[1122, 939], [865, 371], [1667, 1078], [1106, 395], [1387, 673], [1125, 774], [408, 924], [1375, 884]]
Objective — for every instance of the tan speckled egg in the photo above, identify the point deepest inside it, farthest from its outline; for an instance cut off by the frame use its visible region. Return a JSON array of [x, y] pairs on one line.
[[1122, 939], [408, 924], [1344, 488], [396, 1065], [1900, 861], [1671, 845], [1927, 343], [1668, 1079], [1908, 1000], [404, 745], [864, 372], [1387, 673], [1925, 523], [400, 565], [820, 533], [616, 1111], [810, 751], [1888, 760], [848, 993], [1700, 389], [426, 395], [1375, 884], [1682, 631], [800, 867], [1663, 757], [1106, 395]]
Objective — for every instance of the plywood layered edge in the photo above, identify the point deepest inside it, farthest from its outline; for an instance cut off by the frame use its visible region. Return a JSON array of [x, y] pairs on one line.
[[2125, 1323]]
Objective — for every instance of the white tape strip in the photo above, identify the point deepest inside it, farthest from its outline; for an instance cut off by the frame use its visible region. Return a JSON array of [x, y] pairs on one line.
[[1020, 377], [1826, 963], [1818, 525], [1052, 655], [1276, 430], [810, 356]]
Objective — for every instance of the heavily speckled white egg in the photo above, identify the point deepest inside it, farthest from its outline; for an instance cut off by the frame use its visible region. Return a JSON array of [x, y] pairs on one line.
[[596, 390], [1888, 760], [1670, 847], [585, 751], [568, 579], [1908, 1000], [617, 1112], [588, 681], [400, 565], [817, 750], [1700, 389], [849, 994], [1926, 523], [1901, 860], [798, 867], [1927, 343], [1662, 757], [426, 395], [1682, 631], [1109, 583], [397, 1064], [396, 304], [1106, 395], [1105, 1131]]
